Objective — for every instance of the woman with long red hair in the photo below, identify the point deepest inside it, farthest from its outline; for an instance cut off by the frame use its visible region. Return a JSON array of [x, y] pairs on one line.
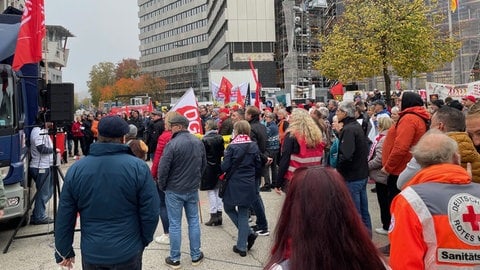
[[319, 227]]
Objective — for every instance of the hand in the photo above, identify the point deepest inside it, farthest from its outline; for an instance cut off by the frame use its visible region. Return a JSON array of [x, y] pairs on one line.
[[278, 191], [269, 161], [384, 171], [68, 263], [1, 213]]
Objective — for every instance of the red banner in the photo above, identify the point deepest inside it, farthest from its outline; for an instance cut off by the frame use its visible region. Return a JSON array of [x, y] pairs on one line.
[[30, 35]]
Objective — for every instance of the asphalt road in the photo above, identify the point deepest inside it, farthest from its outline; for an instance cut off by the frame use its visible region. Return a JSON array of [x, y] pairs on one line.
[[36, 253]]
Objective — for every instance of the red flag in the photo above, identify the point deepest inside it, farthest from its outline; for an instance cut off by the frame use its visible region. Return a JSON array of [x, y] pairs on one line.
[[240, 100], [337, 89], [226, 89], [30, 35], [150, 106], [257, 90]]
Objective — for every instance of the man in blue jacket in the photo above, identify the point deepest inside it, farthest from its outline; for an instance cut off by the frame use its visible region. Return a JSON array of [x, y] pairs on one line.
[[115, 195], [179, 173]]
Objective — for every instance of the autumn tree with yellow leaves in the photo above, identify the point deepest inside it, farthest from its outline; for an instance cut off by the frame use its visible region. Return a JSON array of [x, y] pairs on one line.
[[385, 37]]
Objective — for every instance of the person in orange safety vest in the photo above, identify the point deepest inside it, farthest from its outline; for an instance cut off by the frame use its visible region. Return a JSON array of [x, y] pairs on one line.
[[436, 218]]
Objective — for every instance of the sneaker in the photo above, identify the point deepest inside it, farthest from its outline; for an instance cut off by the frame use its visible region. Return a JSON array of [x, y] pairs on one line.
[[41, 222], [163, 239], [241, 253], [385, 250], [381, 231], [172, 264], [263, 232], [251, 240], [198, 261]]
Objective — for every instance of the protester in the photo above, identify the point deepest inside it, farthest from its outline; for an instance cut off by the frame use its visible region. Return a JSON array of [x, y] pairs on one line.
[[41, 151], [433, 218], [412, 124], [214, 147], [303, 146], [138, 147], [467, 102], [258, 134], [336, 129], [136, 120], [225, 124], [179, 173], [155, 128], [162, 141], [376, 174], [107, 188], [472, 121], [282, 117], [241, 163], [273, 148], [352, 161], [87, 133], [317, 199], [78, 137]]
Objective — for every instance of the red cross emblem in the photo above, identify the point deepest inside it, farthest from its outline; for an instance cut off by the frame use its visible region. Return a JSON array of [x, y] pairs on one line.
[[472, 217]]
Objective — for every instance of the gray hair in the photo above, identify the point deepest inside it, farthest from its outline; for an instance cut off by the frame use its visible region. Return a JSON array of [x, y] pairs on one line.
[[348, 107], [211, 125], [435, 148], [324, 111]]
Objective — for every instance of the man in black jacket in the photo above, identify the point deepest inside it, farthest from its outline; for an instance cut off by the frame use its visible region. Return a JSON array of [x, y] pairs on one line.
[[352, 161], [155, 128], [259, 135]]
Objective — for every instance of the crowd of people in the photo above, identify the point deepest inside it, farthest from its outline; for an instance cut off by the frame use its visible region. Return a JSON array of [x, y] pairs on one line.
[[423, 158]]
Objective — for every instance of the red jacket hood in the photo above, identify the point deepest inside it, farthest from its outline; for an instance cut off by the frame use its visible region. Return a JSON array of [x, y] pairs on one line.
[[418, 110]]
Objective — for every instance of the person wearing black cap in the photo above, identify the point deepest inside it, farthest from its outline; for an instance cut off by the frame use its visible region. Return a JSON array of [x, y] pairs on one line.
[[115, 195], [179, 173], [155, 128]]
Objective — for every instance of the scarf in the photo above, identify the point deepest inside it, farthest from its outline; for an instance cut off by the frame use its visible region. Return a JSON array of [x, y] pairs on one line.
[[374, 144], [241, 138]]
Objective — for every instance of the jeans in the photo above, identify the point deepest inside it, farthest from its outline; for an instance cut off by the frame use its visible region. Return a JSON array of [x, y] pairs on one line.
[[358, 191], [175, 204], [163, 211], [240, 219], [259, 210], [44, 186], [134, 263]]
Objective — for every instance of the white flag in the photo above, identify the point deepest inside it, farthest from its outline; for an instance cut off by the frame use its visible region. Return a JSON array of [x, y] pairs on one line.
[[187, 106]]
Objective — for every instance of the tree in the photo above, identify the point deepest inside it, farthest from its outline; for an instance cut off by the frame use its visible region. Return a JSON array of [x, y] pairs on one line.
[[153, 86], [101, 75], [374, 37], [128, 69]]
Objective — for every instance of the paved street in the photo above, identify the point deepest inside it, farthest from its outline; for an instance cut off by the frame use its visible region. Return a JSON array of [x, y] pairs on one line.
[[36, 253]]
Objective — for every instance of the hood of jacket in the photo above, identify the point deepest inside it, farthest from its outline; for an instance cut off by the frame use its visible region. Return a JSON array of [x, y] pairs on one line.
[[417, 110], [441, 173]]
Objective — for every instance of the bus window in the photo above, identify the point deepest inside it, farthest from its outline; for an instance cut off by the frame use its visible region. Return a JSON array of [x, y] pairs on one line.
[[6, 100]]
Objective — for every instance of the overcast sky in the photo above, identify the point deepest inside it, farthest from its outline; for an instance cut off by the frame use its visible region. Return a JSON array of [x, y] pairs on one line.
[[104, 30]]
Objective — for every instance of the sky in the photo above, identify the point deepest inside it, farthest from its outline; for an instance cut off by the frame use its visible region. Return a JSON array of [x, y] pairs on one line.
[[104, 30]]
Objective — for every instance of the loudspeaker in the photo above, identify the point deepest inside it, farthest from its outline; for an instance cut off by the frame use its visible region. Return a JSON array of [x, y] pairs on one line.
[[60, 103]]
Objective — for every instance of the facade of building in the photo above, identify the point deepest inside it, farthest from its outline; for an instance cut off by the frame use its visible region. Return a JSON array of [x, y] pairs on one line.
[[181, 41], [55, 53]]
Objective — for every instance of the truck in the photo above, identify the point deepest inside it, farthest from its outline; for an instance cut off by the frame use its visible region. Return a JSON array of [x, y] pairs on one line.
[[18, 110]]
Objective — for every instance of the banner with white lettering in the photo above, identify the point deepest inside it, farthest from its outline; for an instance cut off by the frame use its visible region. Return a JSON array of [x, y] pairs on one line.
[[187, 106]]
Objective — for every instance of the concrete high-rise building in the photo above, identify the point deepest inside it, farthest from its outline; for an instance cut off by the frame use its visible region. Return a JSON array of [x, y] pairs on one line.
[[181, 41]]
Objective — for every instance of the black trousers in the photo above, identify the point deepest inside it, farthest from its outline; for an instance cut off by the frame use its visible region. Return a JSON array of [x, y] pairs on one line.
[[134, 263], [383, 202]]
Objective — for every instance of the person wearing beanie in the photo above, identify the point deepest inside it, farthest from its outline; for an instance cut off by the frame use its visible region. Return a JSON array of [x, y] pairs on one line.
[[414, 121], [107, 188], [138, 147]]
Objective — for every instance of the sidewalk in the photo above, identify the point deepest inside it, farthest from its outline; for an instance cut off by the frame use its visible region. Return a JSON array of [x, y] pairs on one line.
[[36, 253]]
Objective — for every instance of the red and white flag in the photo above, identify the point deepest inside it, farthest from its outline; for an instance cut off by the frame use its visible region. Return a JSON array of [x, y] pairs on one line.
[[31, 34], [226, 89], [187, 106]]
